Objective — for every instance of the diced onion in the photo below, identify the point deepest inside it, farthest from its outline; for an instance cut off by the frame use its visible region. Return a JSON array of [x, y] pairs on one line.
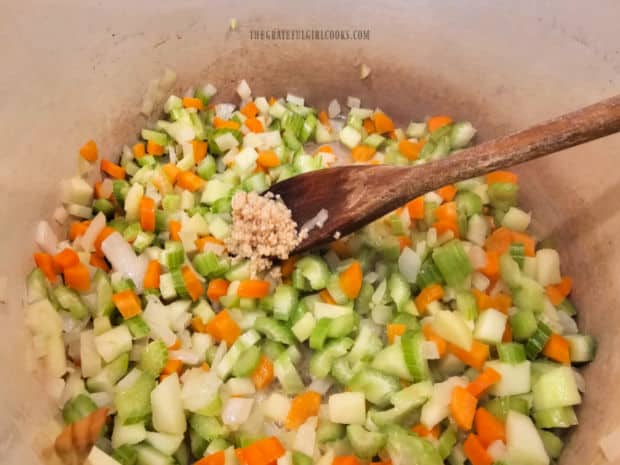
[[480, 281], [477, 257], [371, 277], [224, 110], [209, 90], [186, 356], [243, 89], [320, 385], [305, 438], [122, 257], [318, 221], [60, 215], [353, 102], [497, 450], [333, 109], [90, 235], [291, 98], [579, 380], [429, 350], [236, 411], [433, 197], [409, 264], [45, 237], [569, 326]]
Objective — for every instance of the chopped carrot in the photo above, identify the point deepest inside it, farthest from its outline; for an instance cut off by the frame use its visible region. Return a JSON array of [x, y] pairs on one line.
[[409, 149], [89, 151], [326, 297], [369, 126], [205, 366], [288, 266], [99, 262], [341, 248], [557, 348], [325, 149], [262, 452], [198, 325], [174, 228], [192, 283], [99, 190], [507, 336], [350, 280], [223, 328], [46, 263], [227, 124], [191, 102], [443, 226], [153, 148], [217, 288], [128, 303], [404, 241], [272, 100], [200, 150], [268, 159], [112, 169], [253, 288], [416, 208], [77, 229], [171, 171], [202, 241], [263, 376], [103, 235], [483, 301], [565, 286], [362, 153], [77, 277], [176, 345], [463, 407], [217, 458], [437, 122], [323, 118], [502, 302], [189, 181], [483, 381], [346, 460], [424, 432], [254, 125], [138, 150], [529, 243], [558, 292], [250, 110], [447, 192], [303, 406], [427, 295], [431, 335], [475, 358], [78, 437], [172, 366], [475, 451], [446, 212], [488, 428], [499, 241], [383, 123], [394, 330], [501, 176], [491, 267], [147, 214], [66, 258]]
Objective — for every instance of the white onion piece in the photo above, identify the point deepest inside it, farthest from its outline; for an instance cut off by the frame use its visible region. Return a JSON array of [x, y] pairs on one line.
[[477, 257], [186, 356], [353, 102], [243, 90], [45, 237], [429, 350], [60, 215], [480, 281], [217, 249], [219, 355], [569, 326], [209, 90], [333, 109], [409, 264], [306, 437], [236, 411], [320, 385], [294, 99], [156, 315], [224, 110], [122, 257], [90, 235], [497, 450], [579, 380], [371, 277], [318, 221]]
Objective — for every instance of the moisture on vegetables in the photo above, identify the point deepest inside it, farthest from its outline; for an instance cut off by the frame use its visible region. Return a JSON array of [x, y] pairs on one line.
[[442, 332]]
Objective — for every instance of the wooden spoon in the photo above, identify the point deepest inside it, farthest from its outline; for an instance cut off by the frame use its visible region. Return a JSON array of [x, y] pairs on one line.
[[358, 194]]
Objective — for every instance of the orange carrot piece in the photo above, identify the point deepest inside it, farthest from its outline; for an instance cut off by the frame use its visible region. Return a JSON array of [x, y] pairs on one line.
[[323, 118], [427, 295], [112, 169], [341, 248], [463, 407], [217, 288], [254, 125], [565, 286], [416, 208], [488, 427], [147, 214], [77, 229], [507, 336], [369, 126], [446, 212], [171, 171], [303, 406], [222, 123], [217, 458], [437, 122], [103, 235], [263, 375], [198, 325], [383, 123], [409, 149], [191, 102], [128, 303], [431, 335], [491, 268], [202, 241], [447, 192], [557, 348], [272, 100], [346, 460], [172, 366], [475, 358], [483, 381], [174, 228], [502, 302], [46, 263], [262, 452], [99, 262], [205, 366], [192, 283], [501, 176], [288, 266], [253, 288], [77, 277], [200, 150], [138, 150], [153, 148], [189, 181], [394, 330], [528, 242], [325, 149], [326, 297], [362, 153], [176, 345], [250, 110], [483, 301], [499, 241], [66, 258], [443, 226], [223, 328], [424, 432], [558, 292], [404, 241], [350, 280], [475, 451], [268, 159], [89, 151]]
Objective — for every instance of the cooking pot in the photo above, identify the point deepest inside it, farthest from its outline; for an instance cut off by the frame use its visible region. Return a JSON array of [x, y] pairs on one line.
[[73, 70]]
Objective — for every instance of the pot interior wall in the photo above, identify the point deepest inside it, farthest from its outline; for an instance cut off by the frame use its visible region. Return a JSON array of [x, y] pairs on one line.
[[77, 70]]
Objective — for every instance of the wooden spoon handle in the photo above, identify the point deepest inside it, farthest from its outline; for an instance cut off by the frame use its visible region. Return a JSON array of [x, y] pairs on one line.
[[586, 124]]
